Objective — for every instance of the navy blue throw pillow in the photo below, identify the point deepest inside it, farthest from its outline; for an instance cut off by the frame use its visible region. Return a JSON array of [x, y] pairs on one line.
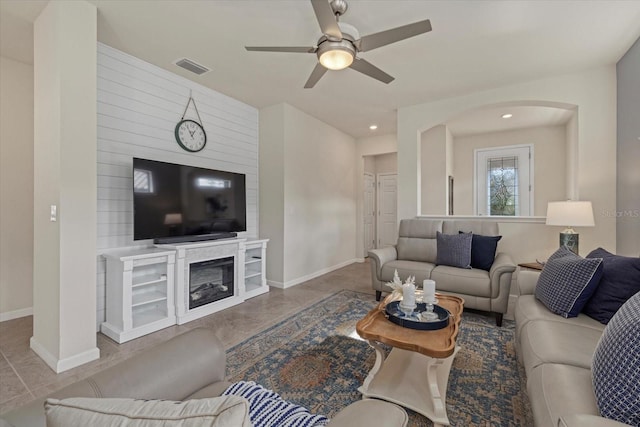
[[483, 250], [567, 282], [453, 249], [620, 281]]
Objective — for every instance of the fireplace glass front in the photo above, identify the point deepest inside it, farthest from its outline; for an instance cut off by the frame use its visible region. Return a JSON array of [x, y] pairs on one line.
[[210, 281]]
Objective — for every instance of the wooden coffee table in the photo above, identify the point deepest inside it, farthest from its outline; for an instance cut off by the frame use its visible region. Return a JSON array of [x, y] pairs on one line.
[[416, 371]]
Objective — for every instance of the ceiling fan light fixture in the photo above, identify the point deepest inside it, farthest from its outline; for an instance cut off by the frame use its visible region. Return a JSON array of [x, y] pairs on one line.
[[336, 55]]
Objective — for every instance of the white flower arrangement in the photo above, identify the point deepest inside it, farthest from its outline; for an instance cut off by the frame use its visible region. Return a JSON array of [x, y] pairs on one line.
[[396, 284]]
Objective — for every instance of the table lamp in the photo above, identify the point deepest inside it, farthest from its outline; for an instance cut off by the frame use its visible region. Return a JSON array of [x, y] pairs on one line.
[[572, 213]]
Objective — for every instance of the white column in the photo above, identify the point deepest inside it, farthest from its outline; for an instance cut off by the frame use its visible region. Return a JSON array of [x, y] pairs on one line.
[[64, 270]]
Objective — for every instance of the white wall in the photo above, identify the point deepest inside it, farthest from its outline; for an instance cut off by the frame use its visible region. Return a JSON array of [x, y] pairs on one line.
[[549, 164], [139, 105], [385, 163], [318, 184], [371, 146], [272, 188], [64, 162], [593, 91], [16, 189], [433, 171], [628, 208]]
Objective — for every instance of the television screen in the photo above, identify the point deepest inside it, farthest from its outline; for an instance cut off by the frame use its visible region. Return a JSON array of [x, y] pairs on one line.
[[172, 201]]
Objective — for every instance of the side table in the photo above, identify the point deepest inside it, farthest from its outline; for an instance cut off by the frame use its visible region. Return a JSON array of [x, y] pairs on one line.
[[532, 265], [416, 371]]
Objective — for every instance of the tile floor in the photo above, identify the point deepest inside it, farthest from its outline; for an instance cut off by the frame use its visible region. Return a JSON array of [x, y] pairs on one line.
[[24, 376]]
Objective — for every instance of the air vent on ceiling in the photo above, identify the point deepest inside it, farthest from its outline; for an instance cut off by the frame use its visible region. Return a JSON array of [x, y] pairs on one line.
[[194, 67]]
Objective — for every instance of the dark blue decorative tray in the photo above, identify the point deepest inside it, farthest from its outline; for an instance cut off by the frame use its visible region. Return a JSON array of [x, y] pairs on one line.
[[395, 315]]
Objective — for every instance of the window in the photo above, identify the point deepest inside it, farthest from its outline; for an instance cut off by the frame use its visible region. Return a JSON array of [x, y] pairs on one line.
[[142, 181], [503, 177]]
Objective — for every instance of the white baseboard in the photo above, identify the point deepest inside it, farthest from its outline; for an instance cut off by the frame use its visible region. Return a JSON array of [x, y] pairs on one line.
[[15, 314], [61, 365], [318, 273]]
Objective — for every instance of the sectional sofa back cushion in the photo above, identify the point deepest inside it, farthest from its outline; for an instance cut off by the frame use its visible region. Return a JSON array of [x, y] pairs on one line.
[[417, 240], [615, 366], [620, 280], [226, 411], [567, 282]]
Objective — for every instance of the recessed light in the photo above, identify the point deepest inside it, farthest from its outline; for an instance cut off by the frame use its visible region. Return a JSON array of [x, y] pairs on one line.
[[373, 127], [507, 116]]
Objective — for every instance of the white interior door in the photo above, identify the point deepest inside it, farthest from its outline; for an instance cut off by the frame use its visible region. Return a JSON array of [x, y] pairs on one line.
[[387, 224], [369, 212]]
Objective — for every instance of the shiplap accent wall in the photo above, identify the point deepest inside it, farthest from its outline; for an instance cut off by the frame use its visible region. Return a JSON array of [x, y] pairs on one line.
[[139, 105]]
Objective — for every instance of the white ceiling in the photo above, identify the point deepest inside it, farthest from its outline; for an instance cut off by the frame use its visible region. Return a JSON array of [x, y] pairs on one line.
[[474, 45], [489, 119]]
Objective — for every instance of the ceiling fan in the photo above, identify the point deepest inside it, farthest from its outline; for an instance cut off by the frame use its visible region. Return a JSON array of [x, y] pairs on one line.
[[340, 44]]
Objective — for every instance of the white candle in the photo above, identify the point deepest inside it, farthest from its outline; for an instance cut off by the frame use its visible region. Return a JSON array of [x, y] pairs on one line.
[[409, 295], [429, 288]]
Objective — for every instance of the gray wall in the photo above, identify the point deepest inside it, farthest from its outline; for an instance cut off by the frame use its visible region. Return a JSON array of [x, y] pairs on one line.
[[628, 151]]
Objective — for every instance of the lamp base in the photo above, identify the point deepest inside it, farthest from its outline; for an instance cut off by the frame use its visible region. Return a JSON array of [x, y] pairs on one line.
[[570, 240]]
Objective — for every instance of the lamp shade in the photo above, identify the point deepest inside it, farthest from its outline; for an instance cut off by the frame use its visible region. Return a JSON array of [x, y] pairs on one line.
[[571, 213], [173, 219]]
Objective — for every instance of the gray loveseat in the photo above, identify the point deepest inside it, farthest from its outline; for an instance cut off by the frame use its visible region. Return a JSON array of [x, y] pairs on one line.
[[556, 353], [189, 366], [415, 255]]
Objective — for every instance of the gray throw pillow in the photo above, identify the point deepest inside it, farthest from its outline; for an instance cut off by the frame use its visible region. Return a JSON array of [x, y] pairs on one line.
[[454, 249]]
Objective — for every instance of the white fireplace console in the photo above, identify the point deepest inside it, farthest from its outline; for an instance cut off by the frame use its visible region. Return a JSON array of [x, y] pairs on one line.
[[146, 293]]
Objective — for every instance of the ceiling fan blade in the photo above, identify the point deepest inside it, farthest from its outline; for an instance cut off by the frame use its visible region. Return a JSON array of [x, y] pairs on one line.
[[371, 70], [383, 38], [326, 19], [316, 75], [292, 49]]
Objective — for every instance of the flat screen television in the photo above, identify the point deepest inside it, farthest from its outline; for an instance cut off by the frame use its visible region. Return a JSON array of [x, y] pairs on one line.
[[180, 203]]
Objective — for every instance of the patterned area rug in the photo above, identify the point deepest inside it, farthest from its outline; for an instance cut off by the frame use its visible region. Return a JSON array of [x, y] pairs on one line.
[[316, 359]]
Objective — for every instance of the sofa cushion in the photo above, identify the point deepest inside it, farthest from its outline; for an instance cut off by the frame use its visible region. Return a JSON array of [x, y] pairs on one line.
[[544, 341], [557, 390], [528, 308], [462, 281], [483, 250], [616, 365], [421, 270], [620, 280], [417, 240], [454, 249], [227, 411], [568, 281]]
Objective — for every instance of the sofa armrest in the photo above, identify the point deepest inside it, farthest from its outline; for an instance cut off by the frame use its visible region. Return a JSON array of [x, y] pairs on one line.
[[381, 256], [586, 420], [172, 370], [370, 412], [501, 265], [527, 281], [500, 277]]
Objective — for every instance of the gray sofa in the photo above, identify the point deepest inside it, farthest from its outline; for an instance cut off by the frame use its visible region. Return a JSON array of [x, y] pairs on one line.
[[189, 366], [556, 353], [415, 255]]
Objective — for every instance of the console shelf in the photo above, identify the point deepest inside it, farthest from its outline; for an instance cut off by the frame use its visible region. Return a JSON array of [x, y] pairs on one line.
[[255, 280], [140, 292]]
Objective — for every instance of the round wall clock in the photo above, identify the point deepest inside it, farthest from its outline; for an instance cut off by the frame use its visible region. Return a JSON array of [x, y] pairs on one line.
[[191, 135]]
